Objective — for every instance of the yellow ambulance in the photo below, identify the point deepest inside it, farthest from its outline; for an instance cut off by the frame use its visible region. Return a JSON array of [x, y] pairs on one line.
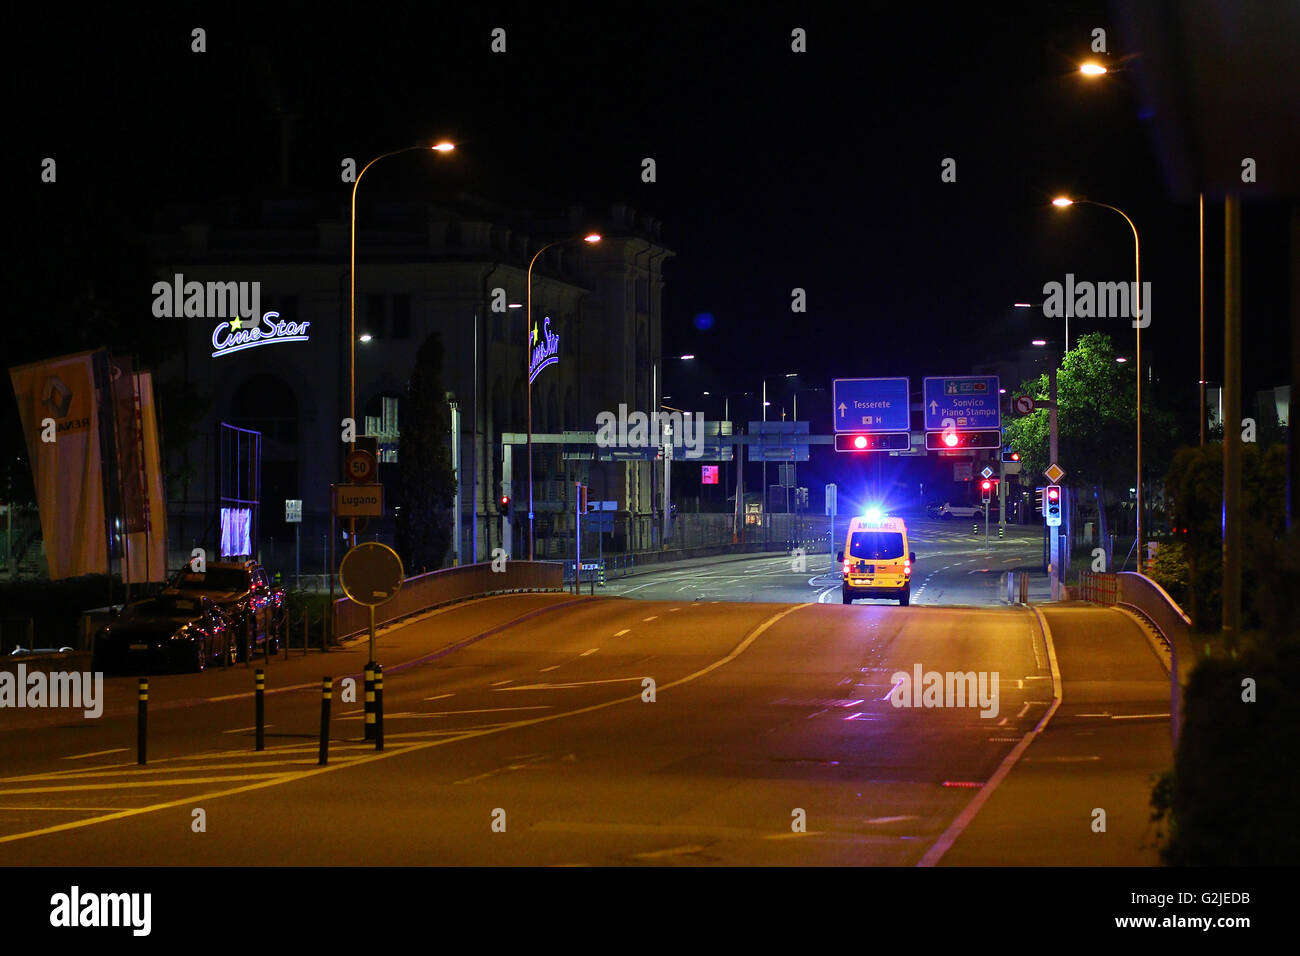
[[876, 562]]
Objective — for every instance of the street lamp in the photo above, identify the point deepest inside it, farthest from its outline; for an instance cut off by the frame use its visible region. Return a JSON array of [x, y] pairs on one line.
[[591, 237], [1062, 202], [439, 147]]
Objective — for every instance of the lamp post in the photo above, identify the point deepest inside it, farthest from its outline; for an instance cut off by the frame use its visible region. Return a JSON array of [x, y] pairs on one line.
[[1063, 202], [592, 237], [440, 147]]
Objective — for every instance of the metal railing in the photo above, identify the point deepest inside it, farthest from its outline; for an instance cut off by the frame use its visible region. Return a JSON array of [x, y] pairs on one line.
[[426, 591], [1099, 587]]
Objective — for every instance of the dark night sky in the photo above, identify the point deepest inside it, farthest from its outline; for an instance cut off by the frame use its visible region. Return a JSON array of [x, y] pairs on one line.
[[774, 170]]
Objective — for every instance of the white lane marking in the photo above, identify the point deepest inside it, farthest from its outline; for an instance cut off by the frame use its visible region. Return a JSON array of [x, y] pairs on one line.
[[480, 710], [671, 609], [672, 851], [627, 629], [551, 668], [592, 651], [898, 819], [950, 835], [1135, 716], [500, 683], [440, 697], [242, 730], [97, 753], [650, 618], [637, 587], [576, 683]]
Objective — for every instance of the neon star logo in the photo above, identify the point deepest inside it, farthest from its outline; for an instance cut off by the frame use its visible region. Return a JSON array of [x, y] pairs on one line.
[[236, 323]]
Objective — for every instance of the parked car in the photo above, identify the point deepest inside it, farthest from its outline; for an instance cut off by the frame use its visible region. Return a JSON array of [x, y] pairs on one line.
[[172, 631], [244, 591]]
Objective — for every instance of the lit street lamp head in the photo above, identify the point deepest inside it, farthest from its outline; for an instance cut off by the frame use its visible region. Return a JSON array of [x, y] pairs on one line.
[[591, 237], [1092, 69], [443, 146], [1062, 201]]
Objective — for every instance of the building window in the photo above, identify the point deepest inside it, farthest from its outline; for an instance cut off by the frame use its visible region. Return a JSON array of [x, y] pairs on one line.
[[402, 316]]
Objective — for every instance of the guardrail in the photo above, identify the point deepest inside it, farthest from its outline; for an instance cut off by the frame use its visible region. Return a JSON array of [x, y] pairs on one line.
[[426, 591]]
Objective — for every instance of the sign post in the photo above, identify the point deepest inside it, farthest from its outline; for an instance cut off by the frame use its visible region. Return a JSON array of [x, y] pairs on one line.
[[832, 505], [293, 516], [371, 574]]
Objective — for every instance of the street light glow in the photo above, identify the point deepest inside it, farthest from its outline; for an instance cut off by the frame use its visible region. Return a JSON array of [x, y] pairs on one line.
[[1039, 342], [1021, 305], [1062, 201], [443, 146], [364, 337], [591, 237], [1092, 69], [1120, 358], [686, 358]]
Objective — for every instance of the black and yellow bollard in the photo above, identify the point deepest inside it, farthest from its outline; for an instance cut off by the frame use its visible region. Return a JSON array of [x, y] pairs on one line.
[[975, 528], [326, 692], [1002, 531], [379, 706], [370, 701], [259, 695], [142, 721]]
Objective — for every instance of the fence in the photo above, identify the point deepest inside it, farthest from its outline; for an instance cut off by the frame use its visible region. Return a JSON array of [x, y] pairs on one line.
[[1099, 587], [426, 591]]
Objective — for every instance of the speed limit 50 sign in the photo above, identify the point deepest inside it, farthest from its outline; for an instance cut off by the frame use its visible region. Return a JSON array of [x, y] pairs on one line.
[[359, 466]]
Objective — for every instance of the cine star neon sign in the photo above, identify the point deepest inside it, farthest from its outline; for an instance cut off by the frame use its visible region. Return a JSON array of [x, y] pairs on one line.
[[546, 352], [230, 336]]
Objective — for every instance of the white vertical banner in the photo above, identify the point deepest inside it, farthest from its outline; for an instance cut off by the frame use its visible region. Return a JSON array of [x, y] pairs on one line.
[[58, 406]]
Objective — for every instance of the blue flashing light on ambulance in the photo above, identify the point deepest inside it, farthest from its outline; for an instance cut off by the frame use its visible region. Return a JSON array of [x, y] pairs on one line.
[[876, 562]]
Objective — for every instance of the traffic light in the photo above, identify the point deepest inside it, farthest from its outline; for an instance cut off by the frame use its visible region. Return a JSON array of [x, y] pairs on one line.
[[505, 505], [986, 490], [953, 440], [868, 441], [1052, 502], [1009, 455]]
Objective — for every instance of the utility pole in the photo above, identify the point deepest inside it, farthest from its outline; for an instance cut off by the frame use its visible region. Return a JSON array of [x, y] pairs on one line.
[[1231, 419]]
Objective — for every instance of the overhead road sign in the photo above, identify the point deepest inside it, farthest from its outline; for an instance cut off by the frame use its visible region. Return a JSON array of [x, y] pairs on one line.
[[953, 440], [963, 402], [871, 404], [778, 441], [868, 441]]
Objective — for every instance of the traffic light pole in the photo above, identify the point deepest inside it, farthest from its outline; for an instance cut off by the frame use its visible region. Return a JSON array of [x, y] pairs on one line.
[[1054, 535], [986, 524]]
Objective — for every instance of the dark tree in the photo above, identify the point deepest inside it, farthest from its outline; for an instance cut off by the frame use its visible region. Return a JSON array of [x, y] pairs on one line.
[[428, 485]]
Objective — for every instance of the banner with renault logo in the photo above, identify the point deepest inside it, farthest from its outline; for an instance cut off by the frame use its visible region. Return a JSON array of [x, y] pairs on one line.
[[61, 421]]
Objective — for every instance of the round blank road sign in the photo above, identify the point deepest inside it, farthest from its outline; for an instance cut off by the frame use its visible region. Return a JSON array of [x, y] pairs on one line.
[[371, 573]]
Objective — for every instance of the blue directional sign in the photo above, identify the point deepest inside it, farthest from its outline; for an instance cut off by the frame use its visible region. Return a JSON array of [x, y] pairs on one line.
[[962, 402], [871, 404]]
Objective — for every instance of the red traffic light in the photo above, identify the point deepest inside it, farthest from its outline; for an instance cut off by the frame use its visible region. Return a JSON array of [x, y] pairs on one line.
[[1053, 493], [873, 441], [986, 485]]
